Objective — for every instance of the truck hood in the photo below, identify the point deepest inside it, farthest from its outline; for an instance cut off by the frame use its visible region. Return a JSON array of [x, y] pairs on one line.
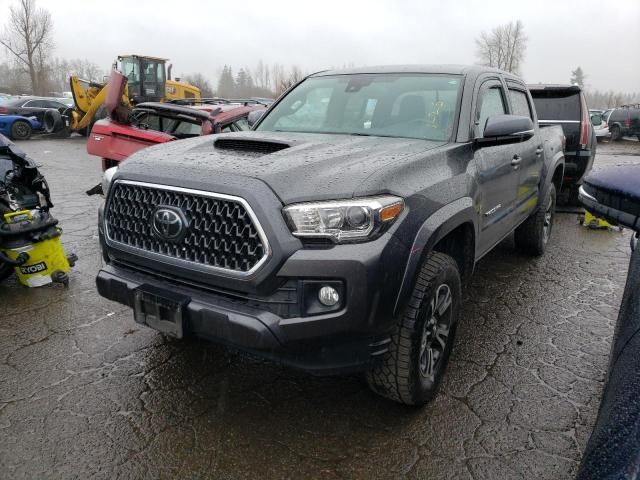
[[296, 166]]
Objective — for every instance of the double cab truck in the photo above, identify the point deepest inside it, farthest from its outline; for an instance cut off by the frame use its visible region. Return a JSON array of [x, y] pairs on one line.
[[339, 233]]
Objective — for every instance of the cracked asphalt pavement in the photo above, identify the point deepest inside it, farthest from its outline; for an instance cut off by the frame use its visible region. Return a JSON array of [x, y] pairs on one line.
[[87, 393]]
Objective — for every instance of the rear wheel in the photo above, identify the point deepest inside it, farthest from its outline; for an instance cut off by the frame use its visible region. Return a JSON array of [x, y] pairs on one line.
[[533, 235], [422, 339], [21, 130], [616, 133]]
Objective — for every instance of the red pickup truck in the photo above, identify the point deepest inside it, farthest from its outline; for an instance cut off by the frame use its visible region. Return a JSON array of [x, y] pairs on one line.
[[153, 122]]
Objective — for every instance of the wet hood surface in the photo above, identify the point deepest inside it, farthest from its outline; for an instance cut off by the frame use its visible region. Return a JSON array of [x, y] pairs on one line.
[[313, 167]]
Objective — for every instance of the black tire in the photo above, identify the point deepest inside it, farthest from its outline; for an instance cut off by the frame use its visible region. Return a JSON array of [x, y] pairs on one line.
[[53, 121], [411, 371], [616, 133], [21, 130], [533, 235]]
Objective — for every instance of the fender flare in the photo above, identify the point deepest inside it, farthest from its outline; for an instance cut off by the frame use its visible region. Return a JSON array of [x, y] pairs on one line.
[[547, 174], [435, 228]]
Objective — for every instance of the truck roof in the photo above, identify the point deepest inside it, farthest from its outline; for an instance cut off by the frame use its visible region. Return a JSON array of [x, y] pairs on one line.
[[420, 68]]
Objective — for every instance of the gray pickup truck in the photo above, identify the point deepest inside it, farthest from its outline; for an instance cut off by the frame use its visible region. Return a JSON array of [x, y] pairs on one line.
[[337, 235]]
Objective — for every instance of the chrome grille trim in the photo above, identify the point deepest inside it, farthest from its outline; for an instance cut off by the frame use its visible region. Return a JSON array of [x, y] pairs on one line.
[[171, 260]]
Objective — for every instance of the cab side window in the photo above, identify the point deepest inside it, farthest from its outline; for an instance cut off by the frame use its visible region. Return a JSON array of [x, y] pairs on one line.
[[520, 103], [491, 103]]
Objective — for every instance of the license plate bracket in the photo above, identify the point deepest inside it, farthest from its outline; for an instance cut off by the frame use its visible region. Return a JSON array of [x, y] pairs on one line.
[[160, 309]]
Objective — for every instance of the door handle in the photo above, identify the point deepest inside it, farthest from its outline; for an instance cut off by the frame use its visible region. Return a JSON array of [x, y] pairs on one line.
[[539, 150], [515, 161]]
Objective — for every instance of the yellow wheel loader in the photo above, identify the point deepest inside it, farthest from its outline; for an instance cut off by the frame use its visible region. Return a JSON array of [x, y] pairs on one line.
[[147, 81]]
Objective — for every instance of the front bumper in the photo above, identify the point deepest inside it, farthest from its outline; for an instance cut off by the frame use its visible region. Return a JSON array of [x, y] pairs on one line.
[[348, 339]]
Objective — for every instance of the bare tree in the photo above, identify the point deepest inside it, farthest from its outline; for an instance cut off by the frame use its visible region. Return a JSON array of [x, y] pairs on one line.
[[278, 77], [503, 47], [283, 81], [28, 37], [200, 81]]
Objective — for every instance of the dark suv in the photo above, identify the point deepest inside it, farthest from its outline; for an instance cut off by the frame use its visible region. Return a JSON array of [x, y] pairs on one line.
[[338, 235], [566, 105], [624, 122]]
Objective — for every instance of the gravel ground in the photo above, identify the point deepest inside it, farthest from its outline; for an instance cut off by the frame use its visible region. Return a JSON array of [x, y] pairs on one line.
[[87, 393]]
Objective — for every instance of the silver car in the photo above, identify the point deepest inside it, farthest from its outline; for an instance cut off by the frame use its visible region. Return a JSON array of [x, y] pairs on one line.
[[600, 126]]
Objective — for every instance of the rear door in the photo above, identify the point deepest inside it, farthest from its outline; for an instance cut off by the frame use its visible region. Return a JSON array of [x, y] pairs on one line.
[[530, 152], [497, 178]]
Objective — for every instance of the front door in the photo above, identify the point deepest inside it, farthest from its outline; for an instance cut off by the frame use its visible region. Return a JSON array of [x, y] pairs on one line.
[[497, 175]]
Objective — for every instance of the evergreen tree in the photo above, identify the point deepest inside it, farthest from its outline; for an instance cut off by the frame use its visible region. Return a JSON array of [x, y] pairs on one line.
[[226, 84], [577, 77], [242, 86]]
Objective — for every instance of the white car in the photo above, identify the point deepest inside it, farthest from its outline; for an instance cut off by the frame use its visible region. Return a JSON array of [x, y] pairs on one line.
[[600, 126]]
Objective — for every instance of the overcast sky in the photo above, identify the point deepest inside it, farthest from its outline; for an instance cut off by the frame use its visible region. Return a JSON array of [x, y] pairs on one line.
[[603, 37]]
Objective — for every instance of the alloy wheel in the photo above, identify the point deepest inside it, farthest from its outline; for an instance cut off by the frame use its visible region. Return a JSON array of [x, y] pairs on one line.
[[435, 332], [548, 222]]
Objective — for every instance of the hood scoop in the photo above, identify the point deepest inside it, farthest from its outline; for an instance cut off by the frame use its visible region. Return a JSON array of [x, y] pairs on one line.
[[249, 145]]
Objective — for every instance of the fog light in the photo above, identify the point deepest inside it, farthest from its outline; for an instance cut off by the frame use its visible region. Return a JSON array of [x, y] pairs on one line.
[[328, 296]]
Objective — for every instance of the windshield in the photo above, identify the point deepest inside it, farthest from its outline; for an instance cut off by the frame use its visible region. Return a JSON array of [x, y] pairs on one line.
[[389, 105]]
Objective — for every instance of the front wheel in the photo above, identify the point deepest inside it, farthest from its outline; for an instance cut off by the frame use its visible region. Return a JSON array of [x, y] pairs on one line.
[[533, 235], [422, 339]]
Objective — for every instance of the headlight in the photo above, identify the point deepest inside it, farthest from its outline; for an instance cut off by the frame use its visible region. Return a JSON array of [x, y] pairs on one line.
[[353, 220], [106, 180]]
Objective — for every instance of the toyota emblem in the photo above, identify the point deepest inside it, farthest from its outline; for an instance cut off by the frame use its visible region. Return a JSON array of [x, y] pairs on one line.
[[169, 223]]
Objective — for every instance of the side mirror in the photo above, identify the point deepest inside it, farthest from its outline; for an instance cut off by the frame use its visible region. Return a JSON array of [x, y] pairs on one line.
[[614, 194], [254, 116], [507, 128], [596, 119]]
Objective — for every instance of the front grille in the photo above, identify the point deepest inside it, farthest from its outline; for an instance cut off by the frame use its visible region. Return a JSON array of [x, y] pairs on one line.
[[249, 145], [220, 231]]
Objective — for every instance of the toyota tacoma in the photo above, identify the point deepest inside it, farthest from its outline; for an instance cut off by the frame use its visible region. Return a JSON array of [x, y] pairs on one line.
[[338, 234]]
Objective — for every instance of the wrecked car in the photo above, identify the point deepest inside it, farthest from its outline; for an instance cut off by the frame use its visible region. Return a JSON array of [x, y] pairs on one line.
[[339, 233], [154, 122], [126, 130]]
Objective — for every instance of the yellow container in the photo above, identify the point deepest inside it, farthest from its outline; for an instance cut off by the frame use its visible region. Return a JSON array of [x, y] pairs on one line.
[[47, 260], [592, 221]]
